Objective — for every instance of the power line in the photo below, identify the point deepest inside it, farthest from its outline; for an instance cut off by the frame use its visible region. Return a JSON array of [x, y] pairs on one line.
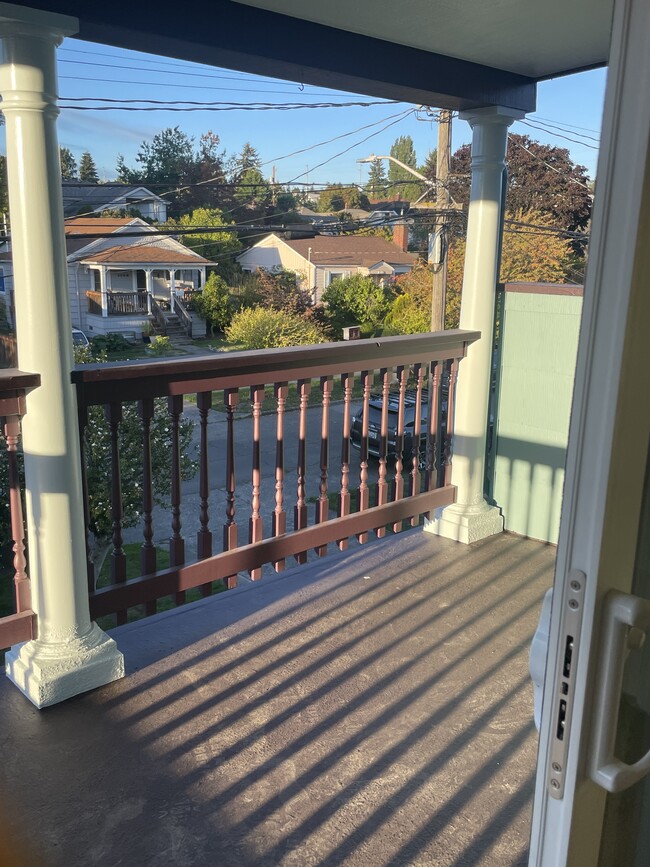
[[551, 127], [557, 134], [219, 106], [547, 164]]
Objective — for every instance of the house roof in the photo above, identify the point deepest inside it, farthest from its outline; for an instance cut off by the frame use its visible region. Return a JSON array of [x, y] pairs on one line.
[[77, 195], [146, 253], [94, 226], [363, 250]]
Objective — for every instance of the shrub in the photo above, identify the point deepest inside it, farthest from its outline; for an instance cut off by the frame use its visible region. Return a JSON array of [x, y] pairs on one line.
[[280, 291], [357, 300], [160, 345], [259, 328], [214, 303], [110, 342]]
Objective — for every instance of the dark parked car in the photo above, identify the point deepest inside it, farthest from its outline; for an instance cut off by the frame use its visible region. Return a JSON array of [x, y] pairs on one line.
[[374, 423]]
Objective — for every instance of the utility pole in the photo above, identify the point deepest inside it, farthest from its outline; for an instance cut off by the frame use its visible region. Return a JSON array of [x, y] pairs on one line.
[[438, 249]]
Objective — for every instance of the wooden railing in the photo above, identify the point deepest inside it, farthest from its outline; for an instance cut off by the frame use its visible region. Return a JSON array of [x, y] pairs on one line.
[[159, 315], [403, 491], [183, 315], [126, 303], [94, 302], [17, 625]]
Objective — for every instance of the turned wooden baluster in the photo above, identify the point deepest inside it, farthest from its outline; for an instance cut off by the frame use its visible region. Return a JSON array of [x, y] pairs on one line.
[[22, 589], [82, 415], [416, 481], [230, 399], [347, 381], [322, 504], [279, 518], [382, 484], [300, 511], [113, 413], [433, 427], [176, 542], [398, 482], [147, 549], [449, 427], [255, 528], [367, 378], [204, 535]]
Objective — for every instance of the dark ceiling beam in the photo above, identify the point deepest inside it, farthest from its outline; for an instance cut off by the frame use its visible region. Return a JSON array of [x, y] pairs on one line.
[[235, 36]]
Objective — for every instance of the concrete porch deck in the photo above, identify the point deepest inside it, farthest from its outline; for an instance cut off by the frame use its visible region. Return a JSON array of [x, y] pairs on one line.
[[370, 709]]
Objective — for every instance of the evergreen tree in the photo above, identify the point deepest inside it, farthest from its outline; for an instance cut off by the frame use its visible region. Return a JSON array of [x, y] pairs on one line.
[[247, 159], [377, 186], [68, 165], [88, 169], [403, 183]]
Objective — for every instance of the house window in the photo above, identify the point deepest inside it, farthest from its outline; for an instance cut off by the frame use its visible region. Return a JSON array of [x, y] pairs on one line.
[[335, 275]]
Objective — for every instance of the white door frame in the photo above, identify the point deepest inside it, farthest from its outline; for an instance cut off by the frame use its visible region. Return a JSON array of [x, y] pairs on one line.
[[608, 442]]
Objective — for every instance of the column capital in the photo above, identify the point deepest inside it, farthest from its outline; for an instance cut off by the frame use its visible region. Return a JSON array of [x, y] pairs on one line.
[[21, 21], [492, 114]]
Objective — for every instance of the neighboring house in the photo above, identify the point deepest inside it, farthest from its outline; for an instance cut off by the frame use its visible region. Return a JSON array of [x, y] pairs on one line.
[[80, 197], [114, 280], [319, 260]]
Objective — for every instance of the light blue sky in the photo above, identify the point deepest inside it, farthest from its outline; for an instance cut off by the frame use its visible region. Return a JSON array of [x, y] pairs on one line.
[[88, 70]]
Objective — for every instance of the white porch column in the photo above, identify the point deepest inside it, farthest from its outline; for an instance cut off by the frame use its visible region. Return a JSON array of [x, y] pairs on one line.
[[172, 284], [71, 654], [471, 518], [103, 280], [149, 283]]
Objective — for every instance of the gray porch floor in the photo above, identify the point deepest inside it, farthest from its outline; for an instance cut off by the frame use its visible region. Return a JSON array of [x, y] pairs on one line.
[[371, 709]]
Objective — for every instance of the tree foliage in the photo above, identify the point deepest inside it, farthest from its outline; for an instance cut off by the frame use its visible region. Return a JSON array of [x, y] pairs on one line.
[[219, 247], [68, 164], [357, 300], [259, 328], [410, 312], [280, 290], [403, 183], [377, 184], [215, 303], [88, 169], [541, 178]]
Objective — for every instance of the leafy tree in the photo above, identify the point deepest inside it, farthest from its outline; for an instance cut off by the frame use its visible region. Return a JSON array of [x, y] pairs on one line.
[[357, 300], [337, 197], [242, 162], [4, 196], [215, 303], [220, 247], [401, 179], [210, 174], [258, 328], [252, 191], [88, 169], [68, 165], [541, 178], [430, 166], [410, 312], [280, 291], [377, 185]]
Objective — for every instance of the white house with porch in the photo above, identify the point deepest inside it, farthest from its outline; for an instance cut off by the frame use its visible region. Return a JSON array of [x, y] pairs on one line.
[[119, 268]]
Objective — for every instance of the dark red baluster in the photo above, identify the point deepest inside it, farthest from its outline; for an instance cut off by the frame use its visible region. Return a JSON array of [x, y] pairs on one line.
[[204, 535], [300, 511], [82, 414], [416, 480], [398, 484], [22, 589], [148, 549], [347, 381], [382, 484], [279, 519], [322, 504], [367, 378], [176, 542], [230, 399], [255, 530], [113, 413]]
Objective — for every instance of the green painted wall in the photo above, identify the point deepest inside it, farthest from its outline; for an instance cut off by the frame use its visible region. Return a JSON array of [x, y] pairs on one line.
[[537, 366]]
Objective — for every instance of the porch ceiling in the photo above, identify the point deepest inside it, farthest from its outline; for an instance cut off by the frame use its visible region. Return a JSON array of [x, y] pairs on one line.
[[434, 52]]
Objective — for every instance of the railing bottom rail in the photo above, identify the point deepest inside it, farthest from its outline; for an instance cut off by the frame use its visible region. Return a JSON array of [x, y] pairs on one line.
[[221, 566]]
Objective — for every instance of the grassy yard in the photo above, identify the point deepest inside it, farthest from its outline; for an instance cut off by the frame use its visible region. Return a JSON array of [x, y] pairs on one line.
[[132, 552]]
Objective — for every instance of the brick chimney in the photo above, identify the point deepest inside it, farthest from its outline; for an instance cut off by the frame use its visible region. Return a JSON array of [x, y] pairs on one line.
[[401, 236]]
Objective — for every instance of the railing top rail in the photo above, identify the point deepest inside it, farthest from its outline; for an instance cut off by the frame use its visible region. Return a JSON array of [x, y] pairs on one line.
[[103, 383], [12, 380]]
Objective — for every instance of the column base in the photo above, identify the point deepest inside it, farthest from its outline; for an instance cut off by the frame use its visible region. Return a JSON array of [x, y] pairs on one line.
[[465, 524], [50, 673]]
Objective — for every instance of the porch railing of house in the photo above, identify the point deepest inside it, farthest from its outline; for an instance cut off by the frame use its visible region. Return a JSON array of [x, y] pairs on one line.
[[118, 303], [159, 315], [183, 314], [403, 491], [19, 624], [94, 302]]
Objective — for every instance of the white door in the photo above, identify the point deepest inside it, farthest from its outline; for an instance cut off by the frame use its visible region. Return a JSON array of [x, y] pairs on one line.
[[603, 546]]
